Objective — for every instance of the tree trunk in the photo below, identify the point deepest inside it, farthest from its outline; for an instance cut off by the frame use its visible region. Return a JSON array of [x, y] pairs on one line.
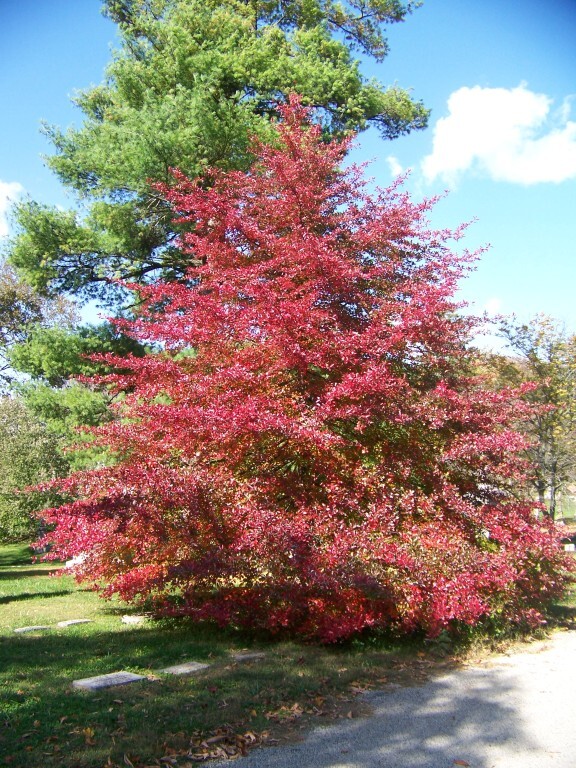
[[541, 488], [553, 492]]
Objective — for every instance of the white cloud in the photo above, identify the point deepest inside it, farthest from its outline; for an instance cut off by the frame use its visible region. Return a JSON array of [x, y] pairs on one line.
[[394, 165], [9, 191], [507, 134], [492, 306]]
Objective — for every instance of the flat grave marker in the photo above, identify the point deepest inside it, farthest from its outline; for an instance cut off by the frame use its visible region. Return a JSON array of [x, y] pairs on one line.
[[36, 628], [107, 681], [133, 619], [246, 656], [73, 622], [186, 668]]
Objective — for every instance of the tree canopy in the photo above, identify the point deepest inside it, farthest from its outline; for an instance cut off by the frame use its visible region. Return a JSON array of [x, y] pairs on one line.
[[191, 82], [23, 310], [29, 454], [309, 449], [545, 354]]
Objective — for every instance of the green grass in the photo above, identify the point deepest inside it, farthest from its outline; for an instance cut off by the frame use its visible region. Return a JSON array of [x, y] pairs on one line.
[[15, 554], [563, 612], [45, 722]]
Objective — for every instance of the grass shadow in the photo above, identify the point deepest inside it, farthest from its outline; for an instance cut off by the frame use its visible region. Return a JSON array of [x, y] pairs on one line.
[[9, 575], [560, 615], [33, 595], [142, 719], [51, 724], [15, 554], [146, 720]]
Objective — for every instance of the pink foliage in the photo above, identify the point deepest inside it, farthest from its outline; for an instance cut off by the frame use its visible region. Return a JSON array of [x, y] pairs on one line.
[[309, 449]]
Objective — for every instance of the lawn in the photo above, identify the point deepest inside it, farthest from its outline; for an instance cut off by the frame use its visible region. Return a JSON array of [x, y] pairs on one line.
[[46, 722]]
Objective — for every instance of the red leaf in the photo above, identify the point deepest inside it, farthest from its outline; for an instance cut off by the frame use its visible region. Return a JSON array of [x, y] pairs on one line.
[[309, 449]]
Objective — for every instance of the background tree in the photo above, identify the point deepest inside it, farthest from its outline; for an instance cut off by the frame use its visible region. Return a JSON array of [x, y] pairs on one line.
[[545, 354], [42, 349], [22, 310], [309, 448], [29, 454], [192, 81], [57, 362]]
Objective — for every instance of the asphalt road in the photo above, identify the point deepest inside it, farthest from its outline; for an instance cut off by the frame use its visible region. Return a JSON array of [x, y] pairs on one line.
[[511, 711]]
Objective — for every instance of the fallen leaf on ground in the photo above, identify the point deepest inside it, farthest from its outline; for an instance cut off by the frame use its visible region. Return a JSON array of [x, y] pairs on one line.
[[285, 713], [224, 743]]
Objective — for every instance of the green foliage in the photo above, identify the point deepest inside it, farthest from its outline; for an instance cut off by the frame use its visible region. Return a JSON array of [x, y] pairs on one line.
[[22, 309], [55, 354], [65, 412], [192, 81], [53, 357], [29, 454]]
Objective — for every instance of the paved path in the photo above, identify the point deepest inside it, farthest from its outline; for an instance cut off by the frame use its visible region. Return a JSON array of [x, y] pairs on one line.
[[512, 711]]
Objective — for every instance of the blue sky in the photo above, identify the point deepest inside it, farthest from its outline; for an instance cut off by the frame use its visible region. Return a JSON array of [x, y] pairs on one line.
[[499, 76]]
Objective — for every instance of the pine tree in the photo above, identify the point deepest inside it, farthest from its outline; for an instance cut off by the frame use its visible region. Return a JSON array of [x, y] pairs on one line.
[[192, 81]]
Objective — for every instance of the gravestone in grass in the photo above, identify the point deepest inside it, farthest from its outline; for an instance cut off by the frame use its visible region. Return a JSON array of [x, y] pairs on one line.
[[73, 622], [247, 656], [133, 619], [107, 681], [186, 668]]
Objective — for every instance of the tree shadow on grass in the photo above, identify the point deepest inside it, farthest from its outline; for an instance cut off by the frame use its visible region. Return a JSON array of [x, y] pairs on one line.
[[425, 726], [469, 717], [32, 595], [27, 573], [564, 616], [43, 710], [15, 554], [97, 652], [432, 726]]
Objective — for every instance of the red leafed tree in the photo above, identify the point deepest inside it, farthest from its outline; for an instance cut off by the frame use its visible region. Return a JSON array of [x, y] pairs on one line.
[[309, 449]]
